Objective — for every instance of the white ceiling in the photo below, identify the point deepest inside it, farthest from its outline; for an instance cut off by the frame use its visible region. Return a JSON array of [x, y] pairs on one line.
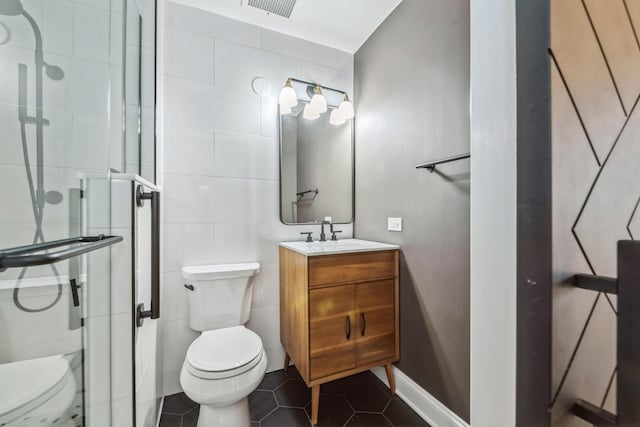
[[341, 24]]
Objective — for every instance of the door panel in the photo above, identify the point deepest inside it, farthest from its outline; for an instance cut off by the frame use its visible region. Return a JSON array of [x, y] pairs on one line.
[[332, 330], [375, 312]]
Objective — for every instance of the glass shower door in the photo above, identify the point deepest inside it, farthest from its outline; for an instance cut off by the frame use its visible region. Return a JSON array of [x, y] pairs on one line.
[[61, 85]]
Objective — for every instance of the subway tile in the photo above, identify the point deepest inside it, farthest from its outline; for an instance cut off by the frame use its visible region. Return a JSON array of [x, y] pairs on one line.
[[245, 156], [177, 337], [211, 25], [269, 118], [189, 199], [188, 244], [188, 55], [121, 356], [57, 26], [236, 66], [174, 297], [266, 323], [266, 289], [97, 359], [297, 48], [238, 200], [121, 274], [90, 143], [91, 33], [269, 193], [189, 151], [198, 105]]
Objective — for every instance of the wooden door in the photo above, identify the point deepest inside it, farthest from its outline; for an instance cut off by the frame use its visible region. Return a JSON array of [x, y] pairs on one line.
[[375, 313], [332, 330]]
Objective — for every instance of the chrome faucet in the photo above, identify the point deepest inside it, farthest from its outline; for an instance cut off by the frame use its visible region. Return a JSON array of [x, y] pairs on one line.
[[323, 237]]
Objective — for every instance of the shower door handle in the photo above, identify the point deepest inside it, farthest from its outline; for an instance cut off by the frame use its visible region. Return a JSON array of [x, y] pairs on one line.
[[154, 311]]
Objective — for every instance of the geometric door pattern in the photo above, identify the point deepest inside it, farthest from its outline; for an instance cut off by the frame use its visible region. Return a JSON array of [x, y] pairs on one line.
[[595, 87]]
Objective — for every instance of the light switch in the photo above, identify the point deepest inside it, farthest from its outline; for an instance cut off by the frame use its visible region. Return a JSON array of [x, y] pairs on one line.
[[394, 224]]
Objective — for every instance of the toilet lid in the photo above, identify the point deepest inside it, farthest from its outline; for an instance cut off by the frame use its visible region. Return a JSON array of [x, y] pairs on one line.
[[29, 382], [224, 353]]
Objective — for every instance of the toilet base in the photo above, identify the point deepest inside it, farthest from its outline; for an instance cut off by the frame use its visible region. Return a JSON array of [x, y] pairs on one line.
[[234, 415]]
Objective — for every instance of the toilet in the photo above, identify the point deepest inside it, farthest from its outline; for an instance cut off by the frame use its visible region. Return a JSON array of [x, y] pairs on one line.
[[227, 361], [36, 392]]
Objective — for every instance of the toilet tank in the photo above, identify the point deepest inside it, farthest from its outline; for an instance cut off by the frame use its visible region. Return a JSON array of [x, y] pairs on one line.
[[219, 296]]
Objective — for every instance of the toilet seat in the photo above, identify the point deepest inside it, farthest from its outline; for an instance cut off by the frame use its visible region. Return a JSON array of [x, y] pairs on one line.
[[224, 353], [28, 384]]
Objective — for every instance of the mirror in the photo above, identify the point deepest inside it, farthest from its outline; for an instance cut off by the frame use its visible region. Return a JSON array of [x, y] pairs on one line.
[[316, 169]]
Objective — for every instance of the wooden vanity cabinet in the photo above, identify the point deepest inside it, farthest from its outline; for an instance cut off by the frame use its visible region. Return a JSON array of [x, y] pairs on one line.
[[339, 315]]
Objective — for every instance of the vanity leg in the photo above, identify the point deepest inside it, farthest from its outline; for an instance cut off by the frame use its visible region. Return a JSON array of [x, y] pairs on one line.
[[315, 402], [287, 359], [391, 377]]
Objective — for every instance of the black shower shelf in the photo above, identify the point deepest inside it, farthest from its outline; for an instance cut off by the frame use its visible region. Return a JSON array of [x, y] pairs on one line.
[[32, 255]]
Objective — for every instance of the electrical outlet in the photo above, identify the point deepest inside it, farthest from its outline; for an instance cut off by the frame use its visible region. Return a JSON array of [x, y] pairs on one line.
[[394, 224]]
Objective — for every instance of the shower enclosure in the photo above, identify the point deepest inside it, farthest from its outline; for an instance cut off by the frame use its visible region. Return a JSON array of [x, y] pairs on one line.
[[76, 107]]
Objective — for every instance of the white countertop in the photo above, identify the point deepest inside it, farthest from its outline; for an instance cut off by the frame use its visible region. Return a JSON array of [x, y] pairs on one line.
[[344, 246]]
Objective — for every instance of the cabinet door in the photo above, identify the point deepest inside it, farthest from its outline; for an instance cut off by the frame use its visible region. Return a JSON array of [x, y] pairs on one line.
[[375, 313], [332, 330]]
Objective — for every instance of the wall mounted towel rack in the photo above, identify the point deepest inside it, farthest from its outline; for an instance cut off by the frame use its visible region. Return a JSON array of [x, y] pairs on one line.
[[625, 286], [31, 255], [432, 165]]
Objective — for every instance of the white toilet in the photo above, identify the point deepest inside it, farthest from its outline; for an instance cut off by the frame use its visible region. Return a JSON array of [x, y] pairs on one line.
[[227, 361], [36, 392]]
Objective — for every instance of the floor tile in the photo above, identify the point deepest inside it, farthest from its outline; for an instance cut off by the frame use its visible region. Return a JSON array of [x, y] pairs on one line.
[[190, 419], [333, 411], [168, 420], [261, 404], [272, 380], [178, 404], [401, 415], [367, 420], [287, 417], [367, 398], [293, 393], [288, 405]]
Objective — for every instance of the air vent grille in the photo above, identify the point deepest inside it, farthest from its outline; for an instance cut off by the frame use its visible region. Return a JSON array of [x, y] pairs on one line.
[[278, 7]]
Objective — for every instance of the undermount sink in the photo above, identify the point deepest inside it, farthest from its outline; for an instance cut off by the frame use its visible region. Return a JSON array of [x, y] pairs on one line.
[[337, 247]]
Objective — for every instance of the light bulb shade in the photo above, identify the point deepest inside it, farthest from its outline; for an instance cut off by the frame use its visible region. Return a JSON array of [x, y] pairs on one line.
[[337, 118], [285, 109], [346, 109], [319, 103], [310, 113], [288, 97]]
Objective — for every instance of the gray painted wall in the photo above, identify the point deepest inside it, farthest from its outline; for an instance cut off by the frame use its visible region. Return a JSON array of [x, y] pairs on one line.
[[412, 105]]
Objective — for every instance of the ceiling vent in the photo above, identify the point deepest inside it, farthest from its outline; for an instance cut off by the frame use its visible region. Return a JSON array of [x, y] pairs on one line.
[[278, 7]]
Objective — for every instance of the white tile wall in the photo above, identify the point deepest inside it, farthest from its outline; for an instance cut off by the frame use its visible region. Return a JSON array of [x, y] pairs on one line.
[[221, 161]]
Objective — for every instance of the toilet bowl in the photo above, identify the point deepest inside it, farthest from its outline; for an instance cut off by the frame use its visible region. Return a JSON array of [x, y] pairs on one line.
[[36, 392], [227, 361]]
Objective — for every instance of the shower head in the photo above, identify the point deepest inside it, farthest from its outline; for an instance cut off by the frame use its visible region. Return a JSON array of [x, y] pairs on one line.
[[11, 7], [53, 71]]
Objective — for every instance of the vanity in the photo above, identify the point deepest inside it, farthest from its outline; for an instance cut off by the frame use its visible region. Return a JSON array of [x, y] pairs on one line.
[[338, 310]]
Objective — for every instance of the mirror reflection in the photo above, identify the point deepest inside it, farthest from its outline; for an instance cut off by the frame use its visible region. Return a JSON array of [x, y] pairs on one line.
[[316, 168]]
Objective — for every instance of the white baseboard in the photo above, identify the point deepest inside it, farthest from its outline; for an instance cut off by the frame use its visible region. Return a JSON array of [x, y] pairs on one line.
[[428, 407]]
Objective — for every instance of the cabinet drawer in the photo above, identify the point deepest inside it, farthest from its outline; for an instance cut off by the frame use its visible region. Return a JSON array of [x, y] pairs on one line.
[[344, 268]]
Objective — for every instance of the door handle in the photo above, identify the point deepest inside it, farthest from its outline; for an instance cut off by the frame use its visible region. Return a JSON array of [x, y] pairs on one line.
[[154, 312], [347, 327], [74, 292], [363, 323]]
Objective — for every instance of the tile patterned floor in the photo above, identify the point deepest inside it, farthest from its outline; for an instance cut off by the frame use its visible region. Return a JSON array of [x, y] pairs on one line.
[[283, 400]]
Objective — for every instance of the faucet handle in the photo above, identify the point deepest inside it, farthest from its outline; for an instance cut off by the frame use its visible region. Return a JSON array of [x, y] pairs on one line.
[[333, 235], [308, 233]]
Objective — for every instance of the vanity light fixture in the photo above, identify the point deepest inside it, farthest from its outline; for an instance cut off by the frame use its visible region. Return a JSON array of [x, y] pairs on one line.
[[337, 118], [318, 105], [310, 113], [318, 102], [288, 98], [346, 108]]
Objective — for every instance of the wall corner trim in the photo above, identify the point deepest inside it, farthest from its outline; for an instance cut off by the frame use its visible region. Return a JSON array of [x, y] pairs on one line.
[[426, 406]]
